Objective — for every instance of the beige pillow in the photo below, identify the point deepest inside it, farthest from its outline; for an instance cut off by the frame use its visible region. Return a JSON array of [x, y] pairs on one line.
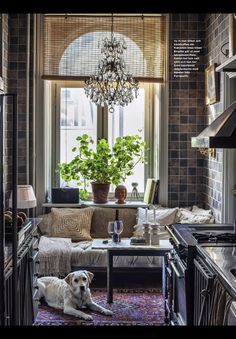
[[72, 223], [45, 224], [103, 215], [180, 213], [164, 215], [198, 210], [163, 234], [188, 217]]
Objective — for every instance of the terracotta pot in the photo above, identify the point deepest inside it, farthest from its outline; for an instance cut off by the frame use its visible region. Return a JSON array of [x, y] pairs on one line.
[[100, 192]]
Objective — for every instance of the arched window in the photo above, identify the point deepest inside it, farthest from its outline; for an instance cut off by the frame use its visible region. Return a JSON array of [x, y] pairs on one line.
[[74, 59]]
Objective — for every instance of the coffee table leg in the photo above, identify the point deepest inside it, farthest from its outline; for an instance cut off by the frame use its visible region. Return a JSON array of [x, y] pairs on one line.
[[109, 276]]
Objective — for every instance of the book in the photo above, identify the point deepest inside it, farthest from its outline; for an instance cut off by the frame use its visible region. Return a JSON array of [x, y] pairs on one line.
[[156, 193], [150, 185]]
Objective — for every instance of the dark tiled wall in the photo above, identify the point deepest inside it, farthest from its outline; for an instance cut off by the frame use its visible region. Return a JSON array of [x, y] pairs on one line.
[[4, 70], [186, 117], [216, 36], [14, 71], [17, 82], [4, 49]]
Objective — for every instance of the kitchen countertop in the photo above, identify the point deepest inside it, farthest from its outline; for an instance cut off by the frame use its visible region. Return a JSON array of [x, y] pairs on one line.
[[222, 259]]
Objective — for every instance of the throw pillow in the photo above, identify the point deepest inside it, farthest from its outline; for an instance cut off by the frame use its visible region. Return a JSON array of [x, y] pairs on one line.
[[180, 212], [164, 215], [72, 223], [198, 210], [163, 234], [188, 217], [45, 224], [102, 216]]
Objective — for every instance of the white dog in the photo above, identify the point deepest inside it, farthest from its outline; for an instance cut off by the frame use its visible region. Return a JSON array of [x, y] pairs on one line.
[[70, 293]]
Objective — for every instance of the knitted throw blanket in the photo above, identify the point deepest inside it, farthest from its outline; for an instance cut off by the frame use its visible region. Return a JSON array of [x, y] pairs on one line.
[[54, 256]]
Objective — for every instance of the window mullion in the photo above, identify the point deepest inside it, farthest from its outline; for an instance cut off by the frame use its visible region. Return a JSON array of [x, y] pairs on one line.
[[148, 133], [56, 133], [102, 122]]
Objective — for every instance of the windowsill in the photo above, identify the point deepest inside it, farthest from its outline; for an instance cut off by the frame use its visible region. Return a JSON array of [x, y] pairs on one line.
[[111, 204]]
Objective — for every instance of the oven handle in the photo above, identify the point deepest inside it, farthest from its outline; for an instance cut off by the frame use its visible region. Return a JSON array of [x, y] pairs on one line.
[[175, 269], [172, 235]]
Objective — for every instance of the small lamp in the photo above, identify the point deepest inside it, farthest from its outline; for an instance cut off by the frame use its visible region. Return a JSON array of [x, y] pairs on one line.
[[25, 197]]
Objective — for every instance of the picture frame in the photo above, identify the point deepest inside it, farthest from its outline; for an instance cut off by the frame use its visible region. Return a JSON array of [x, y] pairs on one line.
[[211, 85]]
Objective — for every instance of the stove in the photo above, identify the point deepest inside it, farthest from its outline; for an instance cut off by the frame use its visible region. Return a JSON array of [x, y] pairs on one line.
[[214, 237], [181, 269]]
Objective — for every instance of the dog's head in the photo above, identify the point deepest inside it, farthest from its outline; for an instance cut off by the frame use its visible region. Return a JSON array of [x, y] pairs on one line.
[[79, 280]]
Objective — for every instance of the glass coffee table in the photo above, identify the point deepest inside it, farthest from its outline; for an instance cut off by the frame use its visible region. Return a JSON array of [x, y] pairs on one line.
[[125, 249]]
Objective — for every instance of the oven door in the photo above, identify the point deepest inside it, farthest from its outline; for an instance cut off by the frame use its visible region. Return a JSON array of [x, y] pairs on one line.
[[176, 287], [232, 314]]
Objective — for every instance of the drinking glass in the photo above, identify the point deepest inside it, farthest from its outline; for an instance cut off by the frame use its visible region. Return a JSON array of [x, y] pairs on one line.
[[110, 228], [118, 227]]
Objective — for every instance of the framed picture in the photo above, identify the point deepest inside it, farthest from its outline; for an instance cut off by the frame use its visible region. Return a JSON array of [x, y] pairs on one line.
[[211, 85]]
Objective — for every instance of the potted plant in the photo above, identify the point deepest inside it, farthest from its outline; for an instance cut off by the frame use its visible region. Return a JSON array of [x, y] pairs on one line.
[[103, 166]]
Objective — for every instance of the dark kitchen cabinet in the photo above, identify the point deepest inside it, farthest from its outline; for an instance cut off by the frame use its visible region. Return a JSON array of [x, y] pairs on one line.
[[177, 310], [18, 265], [27, 271], [203, 291]]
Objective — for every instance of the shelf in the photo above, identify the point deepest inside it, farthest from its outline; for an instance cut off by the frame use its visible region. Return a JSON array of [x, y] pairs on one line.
[[229, 66], [111, 204]]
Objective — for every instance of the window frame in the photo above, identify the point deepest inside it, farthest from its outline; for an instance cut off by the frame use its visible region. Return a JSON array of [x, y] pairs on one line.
[[102, 127]]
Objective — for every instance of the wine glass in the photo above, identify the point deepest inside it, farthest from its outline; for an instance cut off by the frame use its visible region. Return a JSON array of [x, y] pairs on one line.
[[118, 227], [110, 228]]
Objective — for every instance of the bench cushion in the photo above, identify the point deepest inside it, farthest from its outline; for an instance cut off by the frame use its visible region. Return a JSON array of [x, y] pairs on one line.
[[103, 215], [82, 255]]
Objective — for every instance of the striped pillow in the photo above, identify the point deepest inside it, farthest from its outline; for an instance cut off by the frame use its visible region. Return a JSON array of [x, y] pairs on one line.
[[72, 223]]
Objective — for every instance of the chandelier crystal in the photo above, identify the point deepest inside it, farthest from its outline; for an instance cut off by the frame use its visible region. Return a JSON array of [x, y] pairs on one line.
[[112, 85]]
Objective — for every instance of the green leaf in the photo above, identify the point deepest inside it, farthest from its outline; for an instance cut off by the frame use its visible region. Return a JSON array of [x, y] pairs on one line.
[[104, 164]]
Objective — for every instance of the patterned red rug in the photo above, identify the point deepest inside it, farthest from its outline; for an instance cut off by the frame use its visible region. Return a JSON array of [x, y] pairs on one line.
[[130, 307]]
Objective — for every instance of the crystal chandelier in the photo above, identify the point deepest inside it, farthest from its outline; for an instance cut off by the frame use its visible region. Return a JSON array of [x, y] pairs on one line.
[[112, 85]]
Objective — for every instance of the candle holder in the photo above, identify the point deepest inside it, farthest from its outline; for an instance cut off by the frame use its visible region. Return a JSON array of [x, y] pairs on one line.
[[154, 236], [146, 232]]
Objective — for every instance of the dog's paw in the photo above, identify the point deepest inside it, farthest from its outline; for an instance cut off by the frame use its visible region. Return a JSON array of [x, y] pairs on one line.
[[108, 312], [88, 317]]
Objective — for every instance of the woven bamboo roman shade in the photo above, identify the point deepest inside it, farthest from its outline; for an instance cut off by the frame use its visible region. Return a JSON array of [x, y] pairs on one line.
[[72, 51]]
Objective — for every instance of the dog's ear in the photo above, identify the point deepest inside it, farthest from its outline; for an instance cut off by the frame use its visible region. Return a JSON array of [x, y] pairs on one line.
[[68, 278], [89, 275]]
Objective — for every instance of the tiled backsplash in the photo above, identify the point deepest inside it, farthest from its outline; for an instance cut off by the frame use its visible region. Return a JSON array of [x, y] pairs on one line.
[[216, 36], [186, 115]]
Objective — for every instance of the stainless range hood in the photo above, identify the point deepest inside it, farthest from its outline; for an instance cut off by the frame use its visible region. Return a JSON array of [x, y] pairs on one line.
[[221, 133]]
